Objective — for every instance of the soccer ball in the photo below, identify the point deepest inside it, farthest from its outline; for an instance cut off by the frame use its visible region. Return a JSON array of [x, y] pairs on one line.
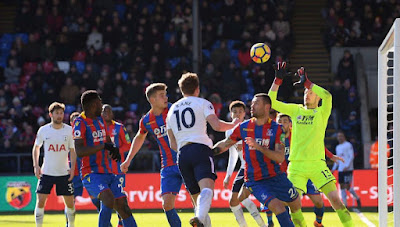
[[260, 53]]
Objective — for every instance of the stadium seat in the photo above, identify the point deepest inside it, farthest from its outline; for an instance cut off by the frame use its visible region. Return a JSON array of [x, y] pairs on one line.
[[245, 73], [246, 97], [47, 66], [5, 46], [24, 37], [7, 37], [216, 45], [133, 107], [29, 68], [206, 53], [69, 109], [80, 66], [120, 8], [174, 62]]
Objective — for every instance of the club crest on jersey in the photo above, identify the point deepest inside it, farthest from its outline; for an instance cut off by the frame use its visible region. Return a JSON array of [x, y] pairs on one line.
[[270, 132], [65, 138]]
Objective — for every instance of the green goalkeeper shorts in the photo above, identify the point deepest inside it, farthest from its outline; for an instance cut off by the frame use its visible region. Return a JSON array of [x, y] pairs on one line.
[[299, 172]]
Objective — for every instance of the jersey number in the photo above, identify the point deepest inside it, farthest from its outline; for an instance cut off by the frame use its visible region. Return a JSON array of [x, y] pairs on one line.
[[327, 174], [182, 118]]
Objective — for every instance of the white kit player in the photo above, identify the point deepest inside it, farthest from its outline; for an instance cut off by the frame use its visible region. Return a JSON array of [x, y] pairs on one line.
[[56, 137], [187, 132], [240, 193]]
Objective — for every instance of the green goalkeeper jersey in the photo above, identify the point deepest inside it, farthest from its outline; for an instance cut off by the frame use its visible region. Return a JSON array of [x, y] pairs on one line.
[[308, 126]]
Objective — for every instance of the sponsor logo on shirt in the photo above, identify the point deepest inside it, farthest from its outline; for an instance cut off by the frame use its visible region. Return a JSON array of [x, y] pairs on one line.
[[161, 131], [99, 135], [305, 119], [57, 147]]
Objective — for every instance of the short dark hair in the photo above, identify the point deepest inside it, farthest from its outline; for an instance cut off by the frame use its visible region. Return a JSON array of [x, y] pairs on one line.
[[188, 83], [88, 97], [73, 115], [153, 88], [55, 106], [236, 103], [265, 97], [284, 115]]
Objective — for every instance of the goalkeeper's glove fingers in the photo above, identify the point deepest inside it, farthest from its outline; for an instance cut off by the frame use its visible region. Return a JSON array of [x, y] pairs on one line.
[[280, 70], [303, 79]]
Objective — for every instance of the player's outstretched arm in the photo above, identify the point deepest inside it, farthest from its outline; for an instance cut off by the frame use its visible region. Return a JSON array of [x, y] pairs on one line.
[[172, 140], [280, 72], [82, 150], [223, 146], [220, 125], [333, 157], [233, 157], [137, 143], [35, 159], [277, 155]]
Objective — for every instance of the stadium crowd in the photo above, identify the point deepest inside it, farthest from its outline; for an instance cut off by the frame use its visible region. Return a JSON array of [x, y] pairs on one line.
[[62, 48]]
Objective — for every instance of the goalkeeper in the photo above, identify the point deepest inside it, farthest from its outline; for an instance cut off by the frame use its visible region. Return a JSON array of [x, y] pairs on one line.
[[307, 150]]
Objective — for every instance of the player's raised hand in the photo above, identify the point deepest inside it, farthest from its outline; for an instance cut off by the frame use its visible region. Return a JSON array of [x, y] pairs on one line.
[[38, 171], [236, 121], [303, 78], [124, 166], [280, 70]]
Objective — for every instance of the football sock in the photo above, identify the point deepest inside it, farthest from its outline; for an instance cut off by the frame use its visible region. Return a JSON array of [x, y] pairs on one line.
[[96, 203], [284, 219], [319, 213], [120, 224], [129, 222], [345, 217], [207, 222], [105, 216], [269, 216], [204, 203], [344, 196], [297, 217], [252, 208], [173, 218], [39, 213], [238, 212], [70, 216], [351, 190]]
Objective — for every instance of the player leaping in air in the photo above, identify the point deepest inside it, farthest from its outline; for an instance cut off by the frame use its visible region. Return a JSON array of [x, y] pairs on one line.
[[187, 132], [307, 150], [154, 123], [263, 151], [238, 110]]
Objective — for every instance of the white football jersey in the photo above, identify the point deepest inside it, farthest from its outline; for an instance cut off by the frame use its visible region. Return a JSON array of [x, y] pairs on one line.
[[57, 143], [235, 152], [187, 120]]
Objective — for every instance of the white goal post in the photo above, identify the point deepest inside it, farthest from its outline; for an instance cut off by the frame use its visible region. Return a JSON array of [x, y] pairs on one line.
[[389, 127]]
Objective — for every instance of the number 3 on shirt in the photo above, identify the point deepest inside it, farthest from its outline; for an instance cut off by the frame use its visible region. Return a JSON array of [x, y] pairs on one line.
[[181, 118]]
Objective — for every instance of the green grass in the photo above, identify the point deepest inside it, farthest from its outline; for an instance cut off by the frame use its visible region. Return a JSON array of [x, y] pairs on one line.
[[218, 219]]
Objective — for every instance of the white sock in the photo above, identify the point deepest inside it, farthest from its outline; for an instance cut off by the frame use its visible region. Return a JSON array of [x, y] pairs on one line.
[[203, 204], [71, 216], [252, 208], [207, 222], [238, 212], [344, 197], [39, 213]]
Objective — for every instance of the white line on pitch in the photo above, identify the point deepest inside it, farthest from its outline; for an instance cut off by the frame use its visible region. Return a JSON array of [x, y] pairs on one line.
[[365, 219]]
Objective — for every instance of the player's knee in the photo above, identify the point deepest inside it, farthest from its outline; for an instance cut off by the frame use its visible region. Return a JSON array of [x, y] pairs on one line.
[[167, 205], [276, 206], [233, 201], [318, 203]]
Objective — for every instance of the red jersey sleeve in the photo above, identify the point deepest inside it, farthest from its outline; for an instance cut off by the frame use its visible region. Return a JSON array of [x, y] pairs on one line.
[[328, 153], [236, 135], [125, 141], [142, 128], [79, 129]]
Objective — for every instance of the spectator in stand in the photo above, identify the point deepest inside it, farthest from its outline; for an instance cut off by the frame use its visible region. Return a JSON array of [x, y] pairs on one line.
[[374, 153], [48, 51], [351, 126], [12, 72], [346, 68], [69, 92], [220, 56], [95, 39]]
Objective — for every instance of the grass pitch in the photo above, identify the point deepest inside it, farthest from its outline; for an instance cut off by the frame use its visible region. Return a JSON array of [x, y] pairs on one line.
[[219, 219]]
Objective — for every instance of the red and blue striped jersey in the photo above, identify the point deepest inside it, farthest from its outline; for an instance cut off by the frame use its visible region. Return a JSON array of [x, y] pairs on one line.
[[156, 125], [92, 132], [285, 163], [258, 166], [78, 165], [120, 138]]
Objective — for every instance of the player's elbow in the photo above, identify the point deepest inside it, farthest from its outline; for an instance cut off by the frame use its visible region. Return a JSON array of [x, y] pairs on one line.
[[79, 153], [280, 158], [217, 127]]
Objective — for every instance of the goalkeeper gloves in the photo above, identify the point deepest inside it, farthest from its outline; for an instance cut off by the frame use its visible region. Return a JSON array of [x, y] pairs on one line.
[[301, 73], [113, 151], [280, 72]]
